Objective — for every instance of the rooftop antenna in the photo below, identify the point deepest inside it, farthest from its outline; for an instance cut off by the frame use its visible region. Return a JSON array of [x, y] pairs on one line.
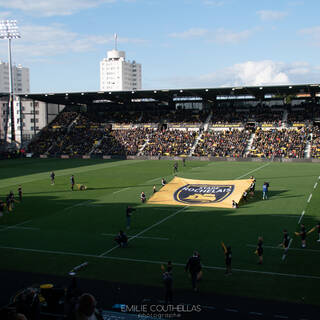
[[115, 41]]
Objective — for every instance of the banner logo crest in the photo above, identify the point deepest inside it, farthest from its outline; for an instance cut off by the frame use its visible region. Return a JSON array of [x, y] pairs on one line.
[[203, 193]]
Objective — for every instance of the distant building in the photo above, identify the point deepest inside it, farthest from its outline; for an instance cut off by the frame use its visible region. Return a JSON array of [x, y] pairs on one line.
[[30, 114], [117, 74], [20, 75]]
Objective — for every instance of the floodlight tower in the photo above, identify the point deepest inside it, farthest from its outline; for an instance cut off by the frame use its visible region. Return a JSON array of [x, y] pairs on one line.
[[9, 30]]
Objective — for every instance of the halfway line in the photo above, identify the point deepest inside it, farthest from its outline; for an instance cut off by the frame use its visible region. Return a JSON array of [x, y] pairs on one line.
[[145, 230], [154, 238], [254, 170]]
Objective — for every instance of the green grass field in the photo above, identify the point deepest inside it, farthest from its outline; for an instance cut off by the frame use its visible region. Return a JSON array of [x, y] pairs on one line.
[[54, 229]]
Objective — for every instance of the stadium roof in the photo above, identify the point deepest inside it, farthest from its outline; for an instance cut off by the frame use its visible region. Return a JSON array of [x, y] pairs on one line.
[[205, 94]]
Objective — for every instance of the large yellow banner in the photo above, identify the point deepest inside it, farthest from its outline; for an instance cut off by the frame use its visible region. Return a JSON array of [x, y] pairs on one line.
[[202, 193]]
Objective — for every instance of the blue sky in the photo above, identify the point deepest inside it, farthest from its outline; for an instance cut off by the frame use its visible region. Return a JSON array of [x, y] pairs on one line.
[[180, 43]]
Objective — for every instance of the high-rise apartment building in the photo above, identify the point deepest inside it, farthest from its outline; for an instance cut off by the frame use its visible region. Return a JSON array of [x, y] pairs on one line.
[[117, 74], [20, 75], [29, 116]]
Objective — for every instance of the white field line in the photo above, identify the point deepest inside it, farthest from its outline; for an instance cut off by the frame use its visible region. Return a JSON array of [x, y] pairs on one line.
[[309, 199], [315, 185], [282, 215], [16, 225], [280, 248], [147, 229], [153, 238], [302, 214], [26, 228], [254, 170], [124, 189], [292, 275]]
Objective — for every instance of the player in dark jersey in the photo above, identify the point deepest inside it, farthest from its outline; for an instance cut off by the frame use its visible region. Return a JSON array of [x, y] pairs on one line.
[[11, 200], [175, 168], [252, 188], [121, 239], [72, 182], [154, 189], [244, 196], [303, 235], [2, 205], [129, 211], [163, 182], [194, 267], [20, 193], [228, 257], [143, 197], [52, 176], [285, 243], [259, 250], [8, 203]]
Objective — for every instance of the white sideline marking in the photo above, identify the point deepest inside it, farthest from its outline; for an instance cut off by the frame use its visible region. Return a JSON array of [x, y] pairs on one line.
[[26, 228], [280, 248], [302, 214], [282, 215], [267, 164], [309, 197], [145, 230], [153, 238], [121, 190], [16, 225], [315, 185], [292, 275]]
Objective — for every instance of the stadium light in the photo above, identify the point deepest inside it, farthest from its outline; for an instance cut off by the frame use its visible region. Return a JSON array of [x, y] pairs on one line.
[[9, 30]]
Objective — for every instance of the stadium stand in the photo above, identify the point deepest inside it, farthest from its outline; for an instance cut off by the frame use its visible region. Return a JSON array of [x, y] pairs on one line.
[[287, 143], [224, 129], [170, 143], [223, 143]]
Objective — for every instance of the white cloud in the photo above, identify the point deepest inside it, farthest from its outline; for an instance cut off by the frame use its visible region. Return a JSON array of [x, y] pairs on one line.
[[52, 7], [5, 15], [269, 15], [252, 73], [191, 33], [214, 3], [313, 33], [48, 41], [220, 35], [296, 3], [227, 36], [249, 73]]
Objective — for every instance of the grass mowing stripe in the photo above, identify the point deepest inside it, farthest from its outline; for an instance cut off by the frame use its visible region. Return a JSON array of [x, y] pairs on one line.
[[147, 229], [292, 275], [59, 173]]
